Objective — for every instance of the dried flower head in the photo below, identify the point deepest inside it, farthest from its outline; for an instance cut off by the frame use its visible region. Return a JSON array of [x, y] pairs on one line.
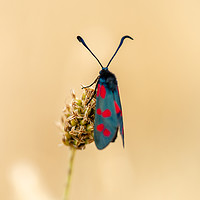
[[77, 121]]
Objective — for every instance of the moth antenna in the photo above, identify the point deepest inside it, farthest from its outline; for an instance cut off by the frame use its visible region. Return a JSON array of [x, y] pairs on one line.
[[80, 39], [120, 44]]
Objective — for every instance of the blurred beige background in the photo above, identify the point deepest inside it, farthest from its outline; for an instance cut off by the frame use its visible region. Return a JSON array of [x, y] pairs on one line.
[[158, 75]]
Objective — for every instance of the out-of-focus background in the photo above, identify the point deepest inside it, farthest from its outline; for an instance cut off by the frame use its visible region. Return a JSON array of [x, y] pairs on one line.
[[158, 75]]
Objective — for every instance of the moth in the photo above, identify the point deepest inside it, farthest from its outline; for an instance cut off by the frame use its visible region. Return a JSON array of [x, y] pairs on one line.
[[108, 112]]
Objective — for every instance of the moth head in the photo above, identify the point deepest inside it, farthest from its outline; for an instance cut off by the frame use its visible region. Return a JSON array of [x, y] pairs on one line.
[[104, 70]]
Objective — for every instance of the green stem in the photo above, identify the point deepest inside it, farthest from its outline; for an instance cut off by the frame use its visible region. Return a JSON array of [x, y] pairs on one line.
[[66, 195]]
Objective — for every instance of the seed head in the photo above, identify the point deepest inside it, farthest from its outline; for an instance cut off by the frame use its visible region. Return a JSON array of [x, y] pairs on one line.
[[77, 120]]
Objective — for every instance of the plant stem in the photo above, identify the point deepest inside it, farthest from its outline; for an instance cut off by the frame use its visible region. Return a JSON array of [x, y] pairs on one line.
[[66, 195]]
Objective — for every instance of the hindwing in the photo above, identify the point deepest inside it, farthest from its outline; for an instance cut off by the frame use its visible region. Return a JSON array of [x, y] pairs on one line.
[[118, 109]]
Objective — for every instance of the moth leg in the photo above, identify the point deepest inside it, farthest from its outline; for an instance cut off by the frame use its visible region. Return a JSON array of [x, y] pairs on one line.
[[91, 83], [95, 90]]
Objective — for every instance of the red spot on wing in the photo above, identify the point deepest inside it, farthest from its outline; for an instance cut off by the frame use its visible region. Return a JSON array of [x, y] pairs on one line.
[[100, 127], [98, 90], [99, 111], [117, 108], [106, 132], [106, 113], [103, 92], [123, 131]]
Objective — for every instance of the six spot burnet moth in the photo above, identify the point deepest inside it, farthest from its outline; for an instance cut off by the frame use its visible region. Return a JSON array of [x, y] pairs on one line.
[[108, 113]]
